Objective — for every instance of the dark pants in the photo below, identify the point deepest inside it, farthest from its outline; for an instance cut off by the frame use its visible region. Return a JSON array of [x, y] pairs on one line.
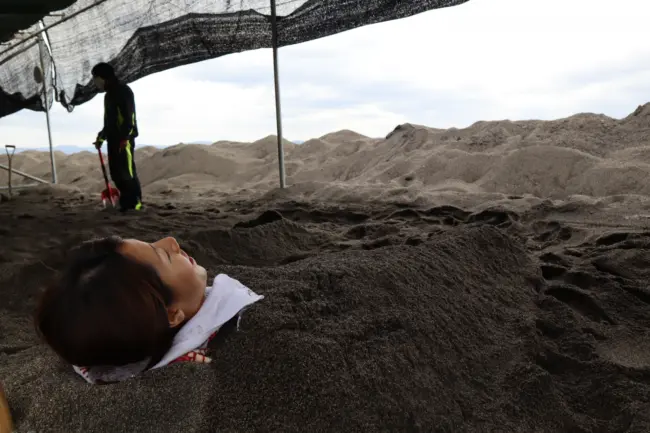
[[121, 164]]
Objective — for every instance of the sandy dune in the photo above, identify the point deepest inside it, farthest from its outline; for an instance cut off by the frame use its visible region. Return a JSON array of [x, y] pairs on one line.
[[492, 278], [585, 154]]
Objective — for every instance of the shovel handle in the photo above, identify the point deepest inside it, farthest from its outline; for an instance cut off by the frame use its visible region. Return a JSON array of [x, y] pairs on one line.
[[101, 161]]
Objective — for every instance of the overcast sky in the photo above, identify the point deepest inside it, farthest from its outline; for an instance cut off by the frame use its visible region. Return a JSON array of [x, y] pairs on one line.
[[484, 60]]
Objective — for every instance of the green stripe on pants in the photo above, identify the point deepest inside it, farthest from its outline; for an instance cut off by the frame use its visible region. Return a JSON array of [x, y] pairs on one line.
[[129, 158]]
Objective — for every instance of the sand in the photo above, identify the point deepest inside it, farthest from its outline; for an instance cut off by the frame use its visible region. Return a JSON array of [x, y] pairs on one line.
[[487, 279]]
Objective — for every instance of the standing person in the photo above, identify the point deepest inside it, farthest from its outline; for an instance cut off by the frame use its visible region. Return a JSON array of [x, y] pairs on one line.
[[120, 130]]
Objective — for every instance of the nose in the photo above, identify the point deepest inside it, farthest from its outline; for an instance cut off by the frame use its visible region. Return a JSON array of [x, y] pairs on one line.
[[169, 243]]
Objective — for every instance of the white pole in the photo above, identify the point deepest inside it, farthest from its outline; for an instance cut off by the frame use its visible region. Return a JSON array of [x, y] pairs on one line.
[[42, 50], [276, 79]]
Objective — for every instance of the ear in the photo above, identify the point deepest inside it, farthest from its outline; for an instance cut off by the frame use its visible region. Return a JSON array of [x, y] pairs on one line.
[[176, 316]]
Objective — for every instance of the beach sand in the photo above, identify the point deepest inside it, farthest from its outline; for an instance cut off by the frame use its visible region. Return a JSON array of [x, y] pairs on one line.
[[492, 278]]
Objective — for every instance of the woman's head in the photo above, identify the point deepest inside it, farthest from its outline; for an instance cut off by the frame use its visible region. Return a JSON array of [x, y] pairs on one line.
[[102, 73], [120, 301]]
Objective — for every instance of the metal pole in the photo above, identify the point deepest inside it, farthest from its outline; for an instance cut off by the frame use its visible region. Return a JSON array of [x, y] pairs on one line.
[[23, 174], [41, 49], [29, 185], [276, 79], [10, 156]]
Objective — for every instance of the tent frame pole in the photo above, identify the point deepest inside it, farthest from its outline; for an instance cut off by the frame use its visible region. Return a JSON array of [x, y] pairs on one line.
[[42, 52], [276, 80]]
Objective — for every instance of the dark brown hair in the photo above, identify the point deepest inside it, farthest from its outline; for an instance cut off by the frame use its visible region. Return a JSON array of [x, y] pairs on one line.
[[103, 70], [105, 309]]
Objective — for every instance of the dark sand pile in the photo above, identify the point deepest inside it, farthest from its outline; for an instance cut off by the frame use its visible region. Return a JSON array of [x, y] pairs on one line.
[[471, 306], [376, 318]]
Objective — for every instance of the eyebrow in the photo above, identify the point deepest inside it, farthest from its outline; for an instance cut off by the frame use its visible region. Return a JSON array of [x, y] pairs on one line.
[[169, 258]]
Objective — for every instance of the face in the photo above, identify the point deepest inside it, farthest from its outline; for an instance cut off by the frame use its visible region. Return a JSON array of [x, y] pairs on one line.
[[177, 270], [99, 82]]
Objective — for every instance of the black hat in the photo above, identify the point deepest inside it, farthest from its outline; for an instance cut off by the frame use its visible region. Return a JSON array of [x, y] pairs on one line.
[[103, 70]]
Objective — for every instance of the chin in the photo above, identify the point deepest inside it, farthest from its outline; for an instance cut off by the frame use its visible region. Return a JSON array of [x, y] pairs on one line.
[[202, 273]]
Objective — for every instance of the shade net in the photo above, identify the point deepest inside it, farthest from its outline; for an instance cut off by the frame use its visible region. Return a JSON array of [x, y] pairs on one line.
[[142, 37], [19, 85]]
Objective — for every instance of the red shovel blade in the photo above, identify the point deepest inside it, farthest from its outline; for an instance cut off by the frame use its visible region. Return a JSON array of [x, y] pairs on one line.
[[111, 194]]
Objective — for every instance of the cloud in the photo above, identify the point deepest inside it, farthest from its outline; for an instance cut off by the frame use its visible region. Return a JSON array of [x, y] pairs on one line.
[[484, 60]]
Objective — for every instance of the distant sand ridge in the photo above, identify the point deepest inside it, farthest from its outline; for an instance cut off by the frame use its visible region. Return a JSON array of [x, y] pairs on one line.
[[585, 154]]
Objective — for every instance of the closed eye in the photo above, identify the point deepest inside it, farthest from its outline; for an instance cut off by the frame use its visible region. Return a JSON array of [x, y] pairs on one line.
[[169, 257]]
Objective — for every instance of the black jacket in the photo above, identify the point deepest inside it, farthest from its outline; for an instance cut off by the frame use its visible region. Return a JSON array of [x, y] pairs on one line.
[[120, 121]]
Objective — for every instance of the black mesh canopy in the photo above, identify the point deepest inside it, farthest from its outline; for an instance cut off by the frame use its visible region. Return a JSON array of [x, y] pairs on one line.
[[142, 37]]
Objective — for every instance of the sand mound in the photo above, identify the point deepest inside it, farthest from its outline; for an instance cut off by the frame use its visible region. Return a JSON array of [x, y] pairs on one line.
[[267, 148], [315, 345], [342, 136], [555, 158], [540, 170], [376, 318], [197, 159], [311, 150]]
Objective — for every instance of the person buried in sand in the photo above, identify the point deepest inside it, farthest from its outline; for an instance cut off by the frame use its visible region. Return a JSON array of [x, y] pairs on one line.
[[123, 306]]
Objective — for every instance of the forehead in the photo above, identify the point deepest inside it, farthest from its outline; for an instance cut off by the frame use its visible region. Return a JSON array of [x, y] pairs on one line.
[[139, 250]]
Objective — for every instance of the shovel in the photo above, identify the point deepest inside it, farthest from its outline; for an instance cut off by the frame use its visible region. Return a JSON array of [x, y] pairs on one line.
[[109, 194]]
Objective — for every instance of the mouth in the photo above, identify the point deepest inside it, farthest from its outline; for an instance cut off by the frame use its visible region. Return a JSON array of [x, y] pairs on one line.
[[191, 259]]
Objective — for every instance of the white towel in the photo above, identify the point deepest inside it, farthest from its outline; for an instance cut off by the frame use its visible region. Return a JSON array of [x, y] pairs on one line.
[[224, 300]]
